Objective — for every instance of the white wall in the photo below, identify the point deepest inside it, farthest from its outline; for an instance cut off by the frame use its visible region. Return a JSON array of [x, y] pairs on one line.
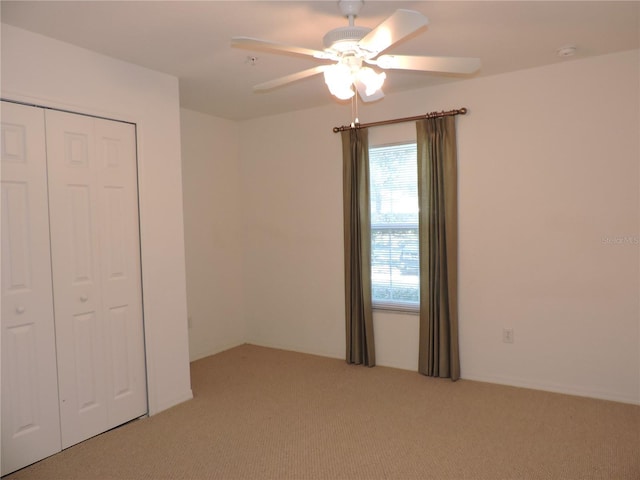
[[213, 233], [294, 290], [535, 220], [548, 186], [48, 72]]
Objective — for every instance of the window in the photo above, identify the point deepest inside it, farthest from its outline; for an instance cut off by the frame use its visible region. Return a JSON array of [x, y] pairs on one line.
[[395, 262]]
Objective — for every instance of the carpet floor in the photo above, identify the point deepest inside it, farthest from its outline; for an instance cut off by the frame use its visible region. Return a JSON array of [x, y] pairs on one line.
[[261, 413]]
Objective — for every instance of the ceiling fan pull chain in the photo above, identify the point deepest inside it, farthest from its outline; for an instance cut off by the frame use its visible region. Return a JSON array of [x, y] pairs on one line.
[[355, 101], [354, 111]]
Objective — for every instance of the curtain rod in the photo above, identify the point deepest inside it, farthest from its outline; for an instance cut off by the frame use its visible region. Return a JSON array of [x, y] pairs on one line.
[[459, 111]]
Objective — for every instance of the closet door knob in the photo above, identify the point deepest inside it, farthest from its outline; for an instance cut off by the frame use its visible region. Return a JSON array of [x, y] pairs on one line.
[[84, 298], [20, 310]]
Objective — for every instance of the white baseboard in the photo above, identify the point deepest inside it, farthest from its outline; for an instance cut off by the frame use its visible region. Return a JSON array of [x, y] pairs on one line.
[[185, 396], [215, 349], [512, 382], [555, 388], [295, 349]]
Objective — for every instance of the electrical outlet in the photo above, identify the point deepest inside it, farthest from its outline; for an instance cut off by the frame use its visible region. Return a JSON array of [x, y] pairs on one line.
[[507, 335]]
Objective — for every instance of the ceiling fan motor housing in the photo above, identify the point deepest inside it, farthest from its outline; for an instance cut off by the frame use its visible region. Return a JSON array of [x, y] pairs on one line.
[[344, 38]]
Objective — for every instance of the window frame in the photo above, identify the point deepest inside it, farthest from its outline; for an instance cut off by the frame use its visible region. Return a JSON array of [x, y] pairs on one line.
[[391, 305]]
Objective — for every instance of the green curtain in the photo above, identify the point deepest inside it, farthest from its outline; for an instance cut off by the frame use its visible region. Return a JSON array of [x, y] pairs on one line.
[[438, 224], [357, 248]]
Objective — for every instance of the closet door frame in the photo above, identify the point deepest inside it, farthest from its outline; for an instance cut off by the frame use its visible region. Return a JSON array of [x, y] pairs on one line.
[[165, 333], [146, 372]]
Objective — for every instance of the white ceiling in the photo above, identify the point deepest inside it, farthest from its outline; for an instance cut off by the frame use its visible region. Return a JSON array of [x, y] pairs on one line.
[[191, 40]]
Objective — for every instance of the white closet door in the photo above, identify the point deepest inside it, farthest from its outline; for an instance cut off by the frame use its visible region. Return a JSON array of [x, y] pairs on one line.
[[30, 417], [120, 270], [96, 271]]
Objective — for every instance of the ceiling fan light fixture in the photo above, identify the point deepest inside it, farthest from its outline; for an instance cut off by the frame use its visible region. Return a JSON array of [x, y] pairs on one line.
[[372, 81], [338, 78]]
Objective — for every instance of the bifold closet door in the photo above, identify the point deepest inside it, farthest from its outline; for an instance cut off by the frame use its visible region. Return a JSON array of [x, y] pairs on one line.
[[95, 252], [30, 417]]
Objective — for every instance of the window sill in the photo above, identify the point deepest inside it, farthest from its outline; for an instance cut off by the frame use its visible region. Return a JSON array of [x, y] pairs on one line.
[[397, 308]]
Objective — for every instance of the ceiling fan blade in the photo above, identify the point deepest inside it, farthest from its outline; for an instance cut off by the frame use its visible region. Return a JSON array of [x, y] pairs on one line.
[[256, 43], [399, 25], [429, 64], [362, 90], [289, 78]]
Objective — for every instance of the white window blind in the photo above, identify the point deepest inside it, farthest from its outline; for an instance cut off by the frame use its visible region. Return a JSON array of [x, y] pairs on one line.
[[395, 262]]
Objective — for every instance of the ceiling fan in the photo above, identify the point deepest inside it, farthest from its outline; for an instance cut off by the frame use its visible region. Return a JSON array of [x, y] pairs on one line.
[[352, 48]]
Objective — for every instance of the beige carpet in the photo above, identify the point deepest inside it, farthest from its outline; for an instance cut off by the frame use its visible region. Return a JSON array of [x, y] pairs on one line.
[[261, 413]]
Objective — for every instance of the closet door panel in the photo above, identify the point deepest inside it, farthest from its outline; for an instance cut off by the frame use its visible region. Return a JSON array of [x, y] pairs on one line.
[[120, 269], [97, 275], [30, 419], [73, 203]]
